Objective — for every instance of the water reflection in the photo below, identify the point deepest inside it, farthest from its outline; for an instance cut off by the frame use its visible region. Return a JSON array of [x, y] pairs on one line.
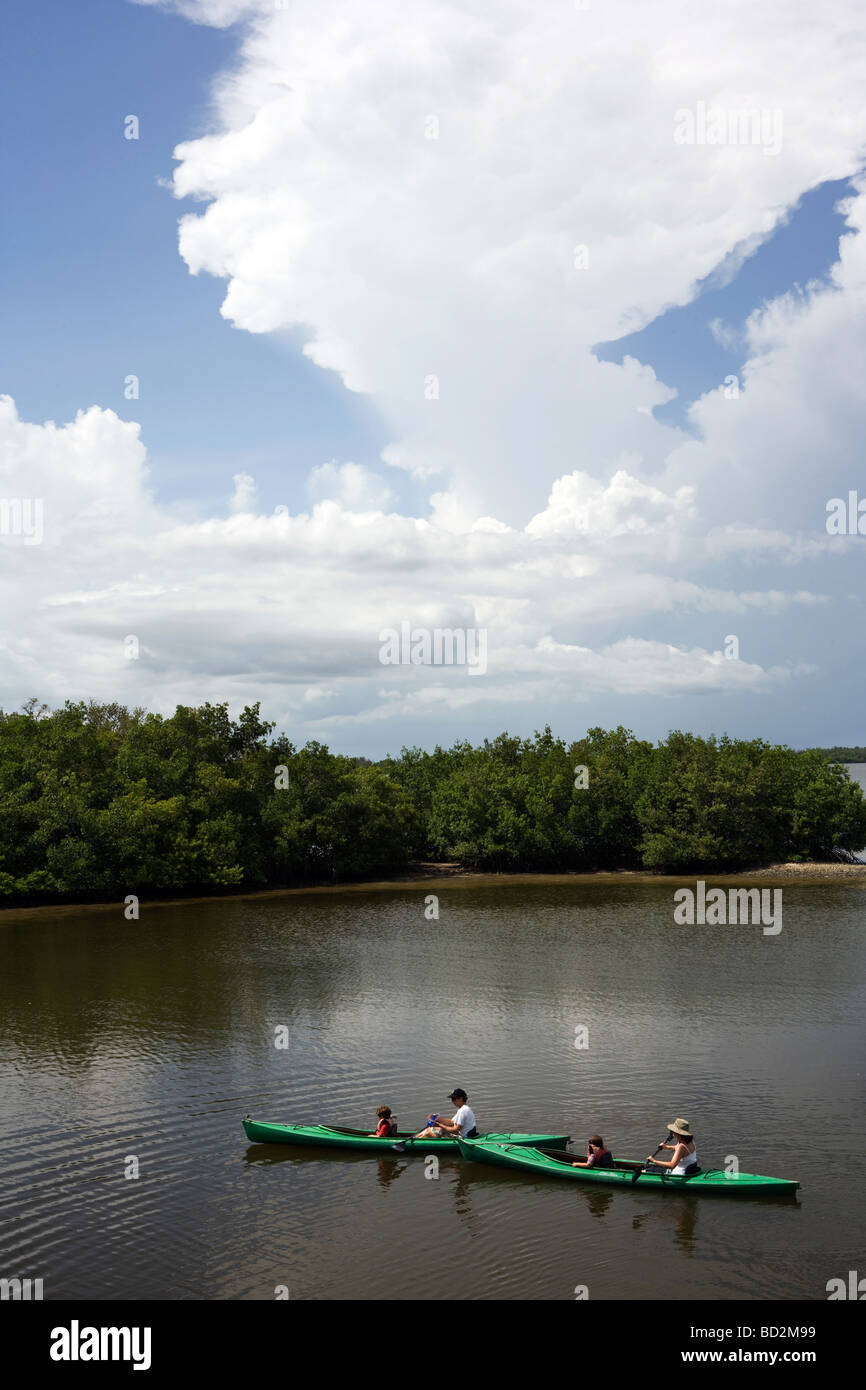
[[389, 1170], [156, 1037], [462, 1174], [679, 1215], [309, 1155], [597, 1199]]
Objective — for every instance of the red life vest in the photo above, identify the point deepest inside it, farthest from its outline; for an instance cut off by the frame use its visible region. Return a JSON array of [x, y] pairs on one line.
[[385, 1129], [601, 1158]]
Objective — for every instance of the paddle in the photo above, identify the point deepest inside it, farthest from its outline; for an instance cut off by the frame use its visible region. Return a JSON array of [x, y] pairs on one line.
[[655, 1151], [403, 1144]]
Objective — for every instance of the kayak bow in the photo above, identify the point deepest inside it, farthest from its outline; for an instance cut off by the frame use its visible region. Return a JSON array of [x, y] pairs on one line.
[[543, 1161]]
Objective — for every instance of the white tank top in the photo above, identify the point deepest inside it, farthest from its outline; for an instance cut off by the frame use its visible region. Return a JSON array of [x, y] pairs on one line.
[[686, 1162]]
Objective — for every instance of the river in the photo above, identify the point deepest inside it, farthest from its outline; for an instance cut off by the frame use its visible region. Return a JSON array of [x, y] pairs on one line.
[[145, 1042]]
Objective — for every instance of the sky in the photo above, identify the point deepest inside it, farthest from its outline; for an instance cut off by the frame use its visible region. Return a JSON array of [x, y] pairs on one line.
[[492, 316]]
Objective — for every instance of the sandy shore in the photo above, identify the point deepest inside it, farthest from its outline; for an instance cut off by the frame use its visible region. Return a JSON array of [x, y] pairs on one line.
[[430, 874], [431, 870], [811, 871]]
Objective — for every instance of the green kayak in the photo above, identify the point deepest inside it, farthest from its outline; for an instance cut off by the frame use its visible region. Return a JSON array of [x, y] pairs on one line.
[[542, 1161], [337, 1137]]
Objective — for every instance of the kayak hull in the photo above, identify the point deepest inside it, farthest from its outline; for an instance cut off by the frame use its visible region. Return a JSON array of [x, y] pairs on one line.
[[338, 1137], [540, 1161]]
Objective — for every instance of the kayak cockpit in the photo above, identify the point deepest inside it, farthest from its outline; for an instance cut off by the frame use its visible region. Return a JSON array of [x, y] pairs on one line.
[[622, 1165]]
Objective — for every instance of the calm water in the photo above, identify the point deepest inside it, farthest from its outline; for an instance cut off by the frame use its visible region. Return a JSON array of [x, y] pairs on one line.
[[153, 1039]]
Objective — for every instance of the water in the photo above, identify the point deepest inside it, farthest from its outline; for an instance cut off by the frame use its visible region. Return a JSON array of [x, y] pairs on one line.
[[857, 772], [151, 1039]]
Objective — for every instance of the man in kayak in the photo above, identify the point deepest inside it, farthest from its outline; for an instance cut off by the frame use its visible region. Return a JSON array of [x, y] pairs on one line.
[[685, 1154], [463, 1124], [597, 1156], [387, 1126]]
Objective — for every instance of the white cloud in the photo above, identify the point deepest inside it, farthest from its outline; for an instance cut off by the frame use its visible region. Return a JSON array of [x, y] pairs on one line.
[[726, 335], [244, 495], [404, 257], [768, 460], [441, 277], [356, 488], [580, 506], [288, 609]]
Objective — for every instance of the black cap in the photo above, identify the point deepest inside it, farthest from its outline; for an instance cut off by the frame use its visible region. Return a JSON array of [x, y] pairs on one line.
[[458, 1092]]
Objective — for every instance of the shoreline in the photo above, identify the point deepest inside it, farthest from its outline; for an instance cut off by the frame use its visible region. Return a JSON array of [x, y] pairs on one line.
[[432, 875]]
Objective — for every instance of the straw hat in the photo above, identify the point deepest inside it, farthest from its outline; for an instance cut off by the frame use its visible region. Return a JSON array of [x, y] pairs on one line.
[[680, 1127]]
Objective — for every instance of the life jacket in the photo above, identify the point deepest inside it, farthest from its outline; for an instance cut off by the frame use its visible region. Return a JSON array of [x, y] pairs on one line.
[[601, 1158], [385, 1129]]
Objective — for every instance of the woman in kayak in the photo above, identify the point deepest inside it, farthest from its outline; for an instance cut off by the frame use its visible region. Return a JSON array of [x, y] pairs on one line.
[[685, 1154], [597, 1156], [387, 1126], [463, 1124]]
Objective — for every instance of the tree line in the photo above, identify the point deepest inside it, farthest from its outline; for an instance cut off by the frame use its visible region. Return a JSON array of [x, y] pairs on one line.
[[845, 755], [98, 800]]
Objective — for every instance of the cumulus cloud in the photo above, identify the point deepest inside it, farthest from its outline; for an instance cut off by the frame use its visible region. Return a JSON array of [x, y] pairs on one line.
[[353, 486], [244, 495], [289, 608], [579, 505], [452, 204], [768, 458]]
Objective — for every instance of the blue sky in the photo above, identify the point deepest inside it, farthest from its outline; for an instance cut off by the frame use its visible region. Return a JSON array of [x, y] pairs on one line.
[[401, 267], [680, 344], [103, 292]]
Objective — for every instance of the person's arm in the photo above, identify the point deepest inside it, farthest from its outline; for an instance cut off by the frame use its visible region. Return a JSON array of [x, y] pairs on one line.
[[669, 1162], [448, 1126]]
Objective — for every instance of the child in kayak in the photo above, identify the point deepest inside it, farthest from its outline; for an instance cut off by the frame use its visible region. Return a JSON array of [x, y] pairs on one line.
[[597, 1156], [463, 1123], [685, 1154], [387, 1126]]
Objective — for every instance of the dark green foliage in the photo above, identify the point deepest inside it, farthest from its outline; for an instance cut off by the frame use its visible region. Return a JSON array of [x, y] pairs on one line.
[[688, 804], [98, 800]]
